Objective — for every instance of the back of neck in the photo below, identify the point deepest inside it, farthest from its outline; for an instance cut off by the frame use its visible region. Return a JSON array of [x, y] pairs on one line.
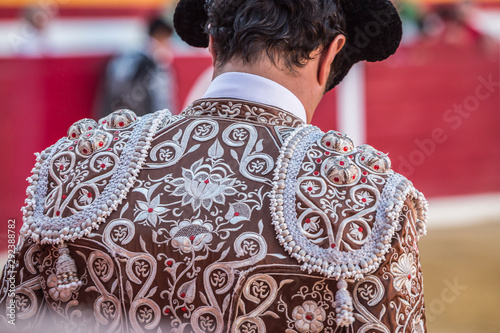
[[298, 82]]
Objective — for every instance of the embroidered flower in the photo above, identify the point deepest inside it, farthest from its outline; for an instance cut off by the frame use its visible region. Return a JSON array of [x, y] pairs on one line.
[[238, 212], [365, 197], [309, 317], [104, 163], [191, 236], [62, 163], [310, 187], [63, 295], [86, 197], [150, 211], [311, 224], [404, 271], [356, 231], [198, 187]]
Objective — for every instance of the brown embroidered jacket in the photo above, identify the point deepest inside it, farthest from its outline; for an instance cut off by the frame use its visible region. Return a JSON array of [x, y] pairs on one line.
[[231, 217]]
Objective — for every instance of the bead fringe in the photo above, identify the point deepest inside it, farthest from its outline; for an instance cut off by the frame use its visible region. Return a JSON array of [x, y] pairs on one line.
[[343, 305], [67, 277]]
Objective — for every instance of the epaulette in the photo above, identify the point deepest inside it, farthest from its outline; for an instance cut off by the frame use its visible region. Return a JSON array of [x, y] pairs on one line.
[[335, 207], [79, 181]]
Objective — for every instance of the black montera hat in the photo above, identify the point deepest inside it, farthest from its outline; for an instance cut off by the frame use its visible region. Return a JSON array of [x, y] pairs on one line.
[[190, 18], [373, 28]]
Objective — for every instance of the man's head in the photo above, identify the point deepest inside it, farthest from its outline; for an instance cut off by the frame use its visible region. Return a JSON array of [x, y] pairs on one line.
[[37, 17], [159, 29], [293, 36], [372, 28], [288, 32]]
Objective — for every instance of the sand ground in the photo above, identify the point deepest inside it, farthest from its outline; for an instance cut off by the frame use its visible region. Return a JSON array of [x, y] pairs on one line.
[[462, 278]]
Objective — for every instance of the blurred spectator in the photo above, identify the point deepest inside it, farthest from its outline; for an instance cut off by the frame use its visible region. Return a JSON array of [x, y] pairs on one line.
[[142, 81], [453, 24], [412, 17], [33, 40]]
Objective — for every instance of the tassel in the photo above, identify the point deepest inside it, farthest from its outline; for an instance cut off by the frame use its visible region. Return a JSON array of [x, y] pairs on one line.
[[66, 270], [343, 305]]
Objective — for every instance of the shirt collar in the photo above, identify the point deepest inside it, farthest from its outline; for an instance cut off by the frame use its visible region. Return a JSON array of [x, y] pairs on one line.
[[257, 89]]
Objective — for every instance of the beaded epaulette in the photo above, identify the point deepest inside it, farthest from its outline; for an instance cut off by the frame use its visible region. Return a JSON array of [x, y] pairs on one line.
[[335, 208], [115, 149]]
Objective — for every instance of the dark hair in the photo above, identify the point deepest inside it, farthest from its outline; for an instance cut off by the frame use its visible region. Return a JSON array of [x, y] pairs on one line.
[[288, 30], [159, 25]]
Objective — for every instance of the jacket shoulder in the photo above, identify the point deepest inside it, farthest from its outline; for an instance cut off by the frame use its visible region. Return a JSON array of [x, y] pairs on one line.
[[336, 207], [80, 180]]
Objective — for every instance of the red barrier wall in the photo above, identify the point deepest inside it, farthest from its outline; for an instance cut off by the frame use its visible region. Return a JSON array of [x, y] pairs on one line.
[[433, 109], [39, 99]]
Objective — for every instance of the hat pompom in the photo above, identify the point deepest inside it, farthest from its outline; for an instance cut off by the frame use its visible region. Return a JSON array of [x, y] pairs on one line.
[[190, 18], [374, 29]]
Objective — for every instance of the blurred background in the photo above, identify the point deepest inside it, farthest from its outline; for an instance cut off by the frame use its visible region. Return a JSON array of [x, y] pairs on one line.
[[434, 106]]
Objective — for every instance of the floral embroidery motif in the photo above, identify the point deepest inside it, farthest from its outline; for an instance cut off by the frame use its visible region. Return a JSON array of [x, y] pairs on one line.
[[104, 163], [310, 187], [202, 185], [404, 271], [191, 236], [242, 110], [311, 224], [365, 197], [150, 211], [356, 231], [85, 197], [62, 163], [309, 317]]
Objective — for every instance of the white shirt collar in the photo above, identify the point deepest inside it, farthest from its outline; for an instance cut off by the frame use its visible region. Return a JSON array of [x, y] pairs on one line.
[[257, 89]]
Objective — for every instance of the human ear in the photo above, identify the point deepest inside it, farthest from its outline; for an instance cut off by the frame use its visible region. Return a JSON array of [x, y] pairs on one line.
[[327, 57]]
